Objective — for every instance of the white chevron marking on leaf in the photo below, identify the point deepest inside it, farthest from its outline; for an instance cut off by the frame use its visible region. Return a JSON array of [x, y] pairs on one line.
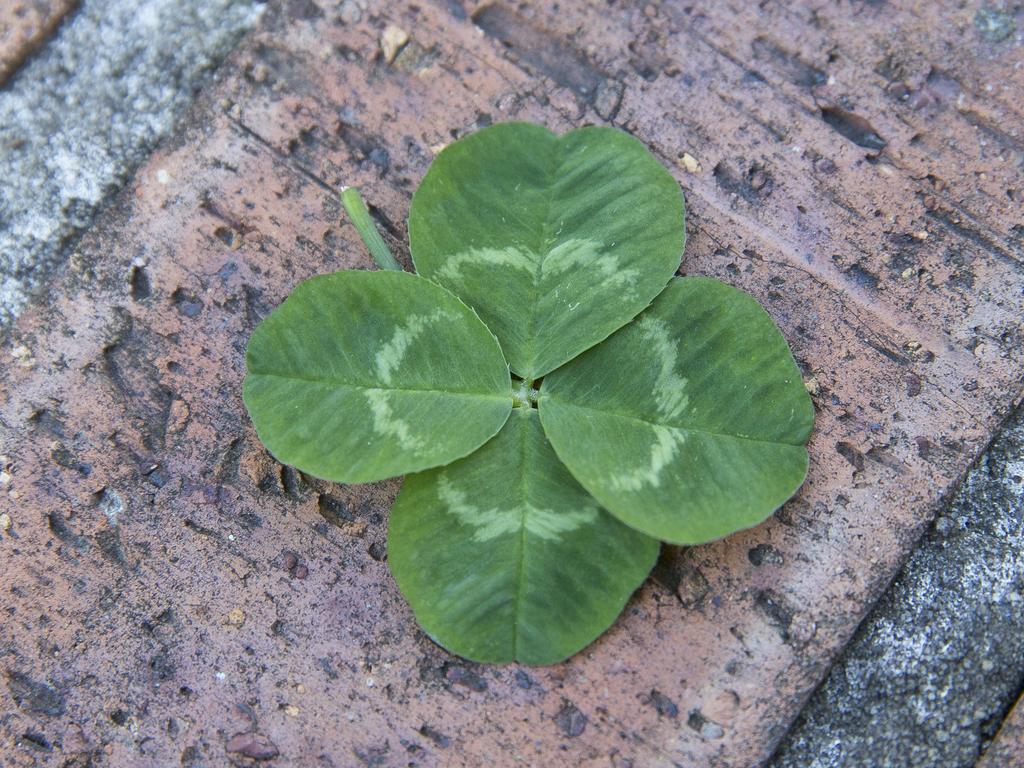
[[669, 387], [386, 423], [580, 253], [492, 523], [391, 354], [663, 451], [510, 257]]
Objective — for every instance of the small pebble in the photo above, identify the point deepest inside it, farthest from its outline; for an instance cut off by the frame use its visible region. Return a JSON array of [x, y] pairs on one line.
[[711, 731], [350, 13], [391, 41], [919, 100], [260, 73], [23, 356], [824, 165], [690, 163], [5, 522], [898, 91], [236, 618]]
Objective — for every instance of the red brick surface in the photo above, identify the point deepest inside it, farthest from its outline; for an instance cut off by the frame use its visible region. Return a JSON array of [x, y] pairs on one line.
[[1007, 750], [24, 25], [156, 608]]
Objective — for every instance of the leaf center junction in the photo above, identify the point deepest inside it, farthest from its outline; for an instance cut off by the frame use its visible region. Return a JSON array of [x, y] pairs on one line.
[[525, 392]]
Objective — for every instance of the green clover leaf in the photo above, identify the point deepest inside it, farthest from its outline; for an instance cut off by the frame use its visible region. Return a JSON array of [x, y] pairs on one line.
[[531, 568], [690, 422], [557, 241], [361, 376], [520, 537]]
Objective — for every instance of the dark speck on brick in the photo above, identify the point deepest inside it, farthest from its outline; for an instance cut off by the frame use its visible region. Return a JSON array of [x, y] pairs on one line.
[[33, 695], [334, 510], [37, 740], [696, 720], [523, 680], [779, 615], [764, 554], [186, 303], [255, 746], [435, 736], [466, 677], [379, 157], [665, 706], [863, 277], [570, 720]]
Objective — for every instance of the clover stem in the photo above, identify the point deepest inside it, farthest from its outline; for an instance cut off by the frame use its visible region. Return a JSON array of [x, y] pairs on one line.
[[360, 217]]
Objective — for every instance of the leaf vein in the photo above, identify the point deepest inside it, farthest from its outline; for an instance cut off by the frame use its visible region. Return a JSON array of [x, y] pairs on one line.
[[369, 387], [648, 422]]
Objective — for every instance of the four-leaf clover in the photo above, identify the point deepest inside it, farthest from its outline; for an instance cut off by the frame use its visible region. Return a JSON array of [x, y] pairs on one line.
[[557, 399]]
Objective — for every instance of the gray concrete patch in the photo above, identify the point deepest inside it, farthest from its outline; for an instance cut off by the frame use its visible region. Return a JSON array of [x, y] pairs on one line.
[[938, 663], [80, 115]]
